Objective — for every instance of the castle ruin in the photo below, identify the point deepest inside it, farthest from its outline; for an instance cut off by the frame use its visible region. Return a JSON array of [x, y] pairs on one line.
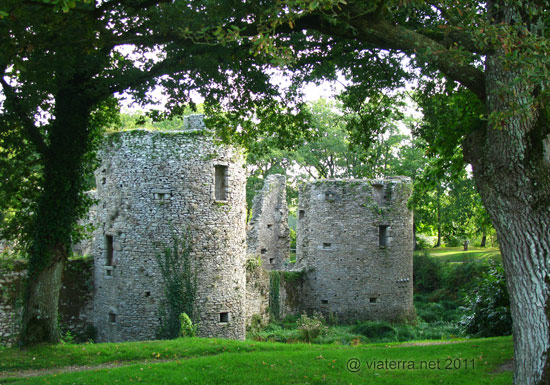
[[354, 240]]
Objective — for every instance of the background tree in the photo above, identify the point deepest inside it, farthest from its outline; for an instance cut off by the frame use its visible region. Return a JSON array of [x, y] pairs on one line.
[[494, 53], [58, 73]]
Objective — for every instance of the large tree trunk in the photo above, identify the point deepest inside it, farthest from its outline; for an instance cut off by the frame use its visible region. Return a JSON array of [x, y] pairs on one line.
[[41, 304], [59, 207], [511, 165]]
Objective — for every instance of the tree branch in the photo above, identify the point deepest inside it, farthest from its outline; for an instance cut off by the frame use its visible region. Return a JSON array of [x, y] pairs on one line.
[[33, 133], [384, 35]]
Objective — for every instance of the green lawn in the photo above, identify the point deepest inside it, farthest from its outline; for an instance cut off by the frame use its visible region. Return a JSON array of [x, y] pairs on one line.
[[457, 254], [212, 361]]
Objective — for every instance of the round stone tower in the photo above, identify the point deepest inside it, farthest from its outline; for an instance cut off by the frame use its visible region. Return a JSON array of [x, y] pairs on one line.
[[153, 186]]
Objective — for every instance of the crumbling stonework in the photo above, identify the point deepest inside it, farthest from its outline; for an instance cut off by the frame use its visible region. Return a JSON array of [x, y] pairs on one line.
[[152, 186], [354, 243], [268, 234], [75, 303]]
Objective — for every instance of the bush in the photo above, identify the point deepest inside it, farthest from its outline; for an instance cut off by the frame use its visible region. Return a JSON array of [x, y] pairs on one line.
[[187, 329], [379, 330], [311, 328], [487, 311], [427, 273]]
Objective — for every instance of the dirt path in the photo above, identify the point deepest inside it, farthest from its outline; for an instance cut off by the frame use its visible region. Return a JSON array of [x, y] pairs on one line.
[[77, 368]]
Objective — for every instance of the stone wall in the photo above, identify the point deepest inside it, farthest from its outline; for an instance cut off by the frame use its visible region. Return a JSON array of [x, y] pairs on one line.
[[12, 279], [354, 244], [257, 292], [268, 234], [75, 300], [151, 187]]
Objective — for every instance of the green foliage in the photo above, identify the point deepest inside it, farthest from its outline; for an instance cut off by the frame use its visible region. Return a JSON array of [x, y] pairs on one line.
[[187, 329], [179, 279], [311, 327], [381, 330], [427, 273], [487, 310], [274, 294]]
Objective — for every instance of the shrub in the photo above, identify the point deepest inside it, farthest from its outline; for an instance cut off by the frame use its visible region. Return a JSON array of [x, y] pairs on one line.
[[187, 329], [311, 327], [378, 330], [427, 273], [487, 311]]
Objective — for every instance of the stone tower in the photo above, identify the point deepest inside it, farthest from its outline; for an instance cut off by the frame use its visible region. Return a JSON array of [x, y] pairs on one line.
[[150, 187], [354, 243]]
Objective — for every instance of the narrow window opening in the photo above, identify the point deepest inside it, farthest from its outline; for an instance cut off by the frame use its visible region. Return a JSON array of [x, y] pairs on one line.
[[373, 300], [324, 301], [220, 176], [224, 317], [271, 260], [383, 235], [112, 317], [301, 214], [263, 251], [104, 180], [327, 245], [378, 194], [269, 226], [147, 293], [109, 250], [108, 273]]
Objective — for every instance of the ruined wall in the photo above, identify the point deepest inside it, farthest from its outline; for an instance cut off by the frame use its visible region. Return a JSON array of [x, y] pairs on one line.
[[354, 242], [75, 300], [152, 186], [268, 233], [257, 292]]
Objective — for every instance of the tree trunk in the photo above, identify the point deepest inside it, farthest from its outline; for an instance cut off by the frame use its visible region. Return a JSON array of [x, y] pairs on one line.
[[438, 244], [41, 304], [511, 165], [59, 207], [483, 239]]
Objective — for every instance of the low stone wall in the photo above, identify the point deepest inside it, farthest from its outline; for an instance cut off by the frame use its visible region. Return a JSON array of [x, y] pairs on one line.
[[75, 300], [12, 279]]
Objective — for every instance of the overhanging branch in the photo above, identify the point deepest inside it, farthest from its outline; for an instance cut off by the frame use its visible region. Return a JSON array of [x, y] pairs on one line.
[[33, 133]]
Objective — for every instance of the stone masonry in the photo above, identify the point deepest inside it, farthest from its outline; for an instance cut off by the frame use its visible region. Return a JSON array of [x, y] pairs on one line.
[[152, 186], [354, 244], [268, 235], [353, 258]]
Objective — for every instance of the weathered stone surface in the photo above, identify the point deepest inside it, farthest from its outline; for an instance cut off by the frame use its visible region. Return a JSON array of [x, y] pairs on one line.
[[152, 186], [354, 243], [75, 302], [268, 234]]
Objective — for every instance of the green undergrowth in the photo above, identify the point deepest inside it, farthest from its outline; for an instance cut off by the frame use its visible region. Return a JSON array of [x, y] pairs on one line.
[[210, 361]]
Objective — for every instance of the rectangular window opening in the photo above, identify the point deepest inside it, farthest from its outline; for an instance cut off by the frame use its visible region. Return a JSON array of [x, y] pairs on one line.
[[220, 176], [263, 251], [301, 214], [378, 194], [373, 299], [327, 245], [109, 250], [271, 260], [269, 226], [383, 235], [112, 317], [324, 301], [224, 317]]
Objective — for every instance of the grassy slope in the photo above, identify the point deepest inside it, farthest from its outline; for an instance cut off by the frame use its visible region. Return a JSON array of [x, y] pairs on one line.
[[210, 361], [457, 254]]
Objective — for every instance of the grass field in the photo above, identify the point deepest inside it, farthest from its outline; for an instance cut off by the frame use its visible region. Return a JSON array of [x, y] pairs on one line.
[[214, 361], [457, 254]]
